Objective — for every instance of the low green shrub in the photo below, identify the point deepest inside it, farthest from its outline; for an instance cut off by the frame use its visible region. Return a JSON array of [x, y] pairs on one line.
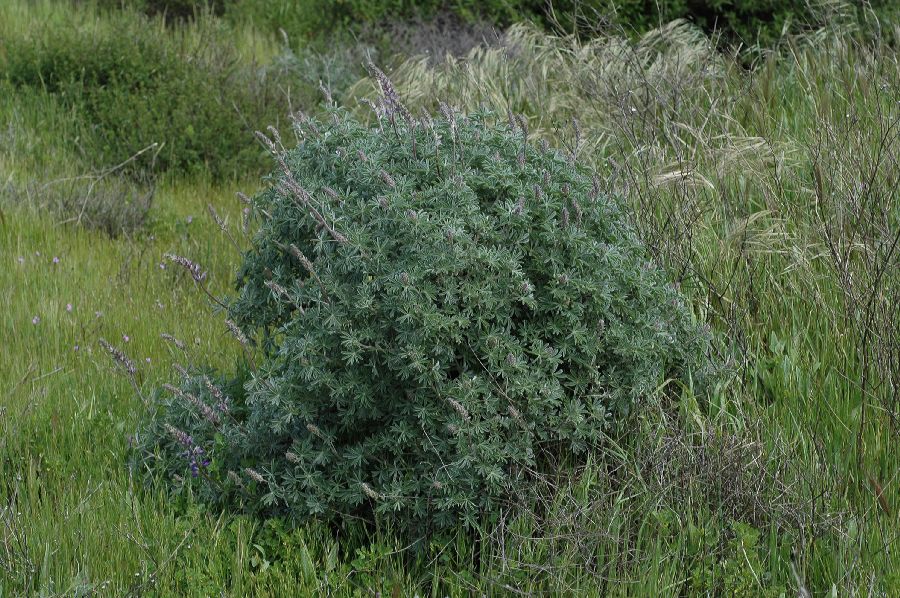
[[446, 312], [171, 10], [136, 84], [111, 204], [744, 22]]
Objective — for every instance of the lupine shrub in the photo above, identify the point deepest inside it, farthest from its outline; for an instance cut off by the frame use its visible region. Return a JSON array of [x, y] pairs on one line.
[[442, 312]]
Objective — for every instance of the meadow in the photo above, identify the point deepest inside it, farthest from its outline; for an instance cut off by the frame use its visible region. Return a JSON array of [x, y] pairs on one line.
[[764, 179]]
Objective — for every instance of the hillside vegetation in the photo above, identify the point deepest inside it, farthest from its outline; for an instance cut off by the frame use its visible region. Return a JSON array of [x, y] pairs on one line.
[[760, 182]]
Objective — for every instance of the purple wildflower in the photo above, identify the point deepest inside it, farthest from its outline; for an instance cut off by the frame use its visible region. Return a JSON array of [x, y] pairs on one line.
[[193, 268], [55, 260], [181, 436], [68, 307], [36, 320], [119, 357], [194, 454]]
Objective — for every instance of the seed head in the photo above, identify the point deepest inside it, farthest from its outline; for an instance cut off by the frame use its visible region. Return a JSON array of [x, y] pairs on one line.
[[204, 409], [214, 391], [173, 340], [370, 492], [119, 357], [215, 216], [268, 143], [238, 334], [193, 268], [180, 436], [326, 93], [447, 112], [458, 407], [516, 415], [578, 213], [275, 135], [523, 125], [391, 98], [279, 290], [388, 180], [292, 457], [254, 475], [520, 205], [181, 370], [304, 261]]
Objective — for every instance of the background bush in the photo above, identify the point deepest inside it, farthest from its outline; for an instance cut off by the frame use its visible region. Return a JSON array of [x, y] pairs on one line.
[[111, 204], [745, 22], [446, 312], [136, 84]]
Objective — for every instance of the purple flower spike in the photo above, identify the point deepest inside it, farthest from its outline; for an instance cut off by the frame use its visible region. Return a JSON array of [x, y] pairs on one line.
[[180, 435]]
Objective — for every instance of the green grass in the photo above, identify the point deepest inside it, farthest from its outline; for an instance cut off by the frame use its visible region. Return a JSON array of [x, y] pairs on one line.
[[649, 517]]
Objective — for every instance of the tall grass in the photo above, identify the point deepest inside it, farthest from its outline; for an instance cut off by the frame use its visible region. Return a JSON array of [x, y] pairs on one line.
[[770, 193]]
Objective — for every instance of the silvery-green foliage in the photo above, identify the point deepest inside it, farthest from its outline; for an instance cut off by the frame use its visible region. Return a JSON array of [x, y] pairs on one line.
[[443, 310]]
